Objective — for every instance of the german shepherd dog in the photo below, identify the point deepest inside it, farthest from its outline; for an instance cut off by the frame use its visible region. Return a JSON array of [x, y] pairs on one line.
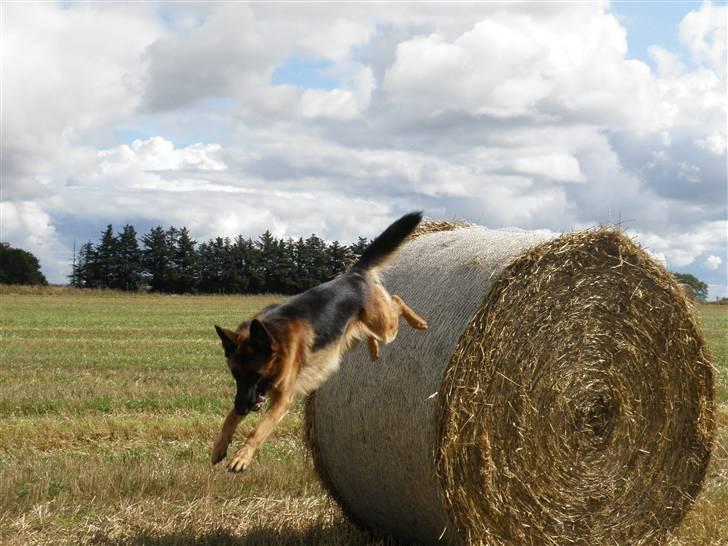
[[293, 347]]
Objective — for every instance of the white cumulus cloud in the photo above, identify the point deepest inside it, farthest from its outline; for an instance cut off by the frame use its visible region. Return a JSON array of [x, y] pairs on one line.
[[159, 154], [713, 262]]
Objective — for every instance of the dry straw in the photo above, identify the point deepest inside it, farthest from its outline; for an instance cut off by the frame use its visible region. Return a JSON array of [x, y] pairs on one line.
[[688, 292], [562, 395]]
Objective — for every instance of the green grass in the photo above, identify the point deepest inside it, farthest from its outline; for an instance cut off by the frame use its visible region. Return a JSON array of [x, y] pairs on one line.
[[714, 319], [109, 404], [106, 353]]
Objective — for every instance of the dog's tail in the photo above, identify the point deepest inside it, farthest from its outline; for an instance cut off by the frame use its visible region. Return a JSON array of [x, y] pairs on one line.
[[384, 246]]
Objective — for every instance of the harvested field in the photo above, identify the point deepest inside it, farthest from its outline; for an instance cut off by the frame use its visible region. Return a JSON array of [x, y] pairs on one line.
[[109, 404]]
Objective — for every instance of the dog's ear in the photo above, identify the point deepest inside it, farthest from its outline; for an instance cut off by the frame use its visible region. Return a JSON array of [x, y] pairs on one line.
[[228, 339], [260, 337]]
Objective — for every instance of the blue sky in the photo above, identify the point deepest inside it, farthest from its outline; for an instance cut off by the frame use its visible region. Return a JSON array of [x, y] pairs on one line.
[[305, 72], [652, 23]]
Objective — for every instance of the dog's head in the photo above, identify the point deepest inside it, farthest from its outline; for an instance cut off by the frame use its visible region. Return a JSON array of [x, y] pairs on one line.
[[249, 353]]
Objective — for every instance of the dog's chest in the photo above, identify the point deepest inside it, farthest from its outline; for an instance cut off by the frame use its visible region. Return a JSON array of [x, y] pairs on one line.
[[320, 366], [323, 363]]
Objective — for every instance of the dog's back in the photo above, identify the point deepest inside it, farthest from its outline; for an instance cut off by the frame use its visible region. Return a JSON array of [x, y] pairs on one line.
[[331, 306], [327, 308]]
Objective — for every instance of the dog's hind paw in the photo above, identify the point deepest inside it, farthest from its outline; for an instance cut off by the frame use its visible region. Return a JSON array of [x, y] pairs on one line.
[[420, 324]]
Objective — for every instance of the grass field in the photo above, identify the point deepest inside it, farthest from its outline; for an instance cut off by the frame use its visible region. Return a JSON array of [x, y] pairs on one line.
[[109, 405]]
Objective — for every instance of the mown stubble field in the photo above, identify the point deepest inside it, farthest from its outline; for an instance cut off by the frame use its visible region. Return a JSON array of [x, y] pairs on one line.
[[109, 404]]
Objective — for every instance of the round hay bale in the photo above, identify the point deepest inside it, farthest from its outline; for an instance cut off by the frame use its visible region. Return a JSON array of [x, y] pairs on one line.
[[563, 394]]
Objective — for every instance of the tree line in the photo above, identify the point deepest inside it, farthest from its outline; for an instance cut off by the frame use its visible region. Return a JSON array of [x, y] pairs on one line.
[[18, 266], [171, 261]]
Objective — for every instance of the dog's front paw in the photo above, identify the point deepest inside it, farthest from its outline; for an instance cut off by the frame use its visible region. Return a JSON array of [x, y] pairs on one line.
[[241, 461], [219, 452], [420, 324]]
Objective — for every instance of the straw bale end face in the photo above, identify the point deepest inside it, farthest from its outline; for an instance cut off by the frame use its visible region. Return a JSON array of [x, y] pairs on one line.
[[564, 394], [595, 401]]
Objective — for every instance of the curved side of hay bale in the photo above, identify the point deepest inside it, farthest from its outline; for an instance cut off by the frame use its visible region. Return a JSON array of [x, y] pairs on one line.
[[374, 422], [542, 405]]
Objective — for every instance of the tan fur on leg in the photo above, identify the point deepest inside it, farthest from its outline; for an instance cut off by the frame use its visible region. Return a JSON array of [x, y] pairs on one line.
[[226, 436], [373, 346], [412, 318]]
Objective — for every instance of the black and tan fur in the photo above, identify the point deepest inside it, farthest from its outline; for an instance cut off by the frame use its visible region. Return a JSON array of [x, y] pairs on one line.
[[292, 348]]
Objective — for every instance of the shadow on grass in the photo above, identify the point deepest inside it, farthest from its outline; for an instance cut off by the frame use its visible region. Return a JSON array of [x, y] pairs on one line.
[[340, 533]]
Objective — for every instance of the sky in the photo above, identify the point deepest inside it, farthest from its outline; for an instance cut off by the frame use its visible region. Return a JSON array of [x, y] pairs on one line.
[[336, 118]]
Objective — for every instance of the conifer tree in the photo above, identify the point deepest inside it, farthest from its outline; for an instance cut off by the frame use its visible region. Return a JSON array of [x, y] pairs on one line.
[[340, 258], [318, 260], [107, 259], [209, 274], [156, 257], [239, 265], [228, 271], [73, 278], [86, 267], [254, 270], [267, 248], [128, 275], [301, 273], [285, 268], [357, 249], [184, 260]]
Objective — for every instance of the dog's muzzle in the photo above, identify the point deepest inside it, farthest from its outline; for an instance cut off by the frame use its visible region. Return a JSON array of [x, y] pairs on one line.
[[260, 397], [254, 399], [259, 402]]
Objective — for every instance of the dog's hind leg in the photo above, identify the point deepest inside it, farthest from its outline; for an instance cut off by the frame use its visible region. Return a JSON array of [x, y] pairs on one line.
[[381, 316], [412, 318], [373, 346]]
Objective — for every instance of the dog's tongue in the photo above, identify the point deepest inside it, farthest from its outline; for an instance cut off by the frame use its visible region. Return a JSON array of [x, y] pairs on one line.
[[260, 400]]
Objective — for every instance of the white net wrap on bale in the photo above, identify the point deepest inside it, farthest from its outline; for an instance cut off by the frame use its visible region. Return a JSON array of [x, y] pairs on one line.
[[562, 395]]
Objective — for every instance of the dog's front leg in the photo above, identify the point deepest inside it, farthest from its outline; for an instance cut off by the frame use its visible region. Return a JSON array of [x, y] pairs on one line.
[[280, 405], [226, 436]]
